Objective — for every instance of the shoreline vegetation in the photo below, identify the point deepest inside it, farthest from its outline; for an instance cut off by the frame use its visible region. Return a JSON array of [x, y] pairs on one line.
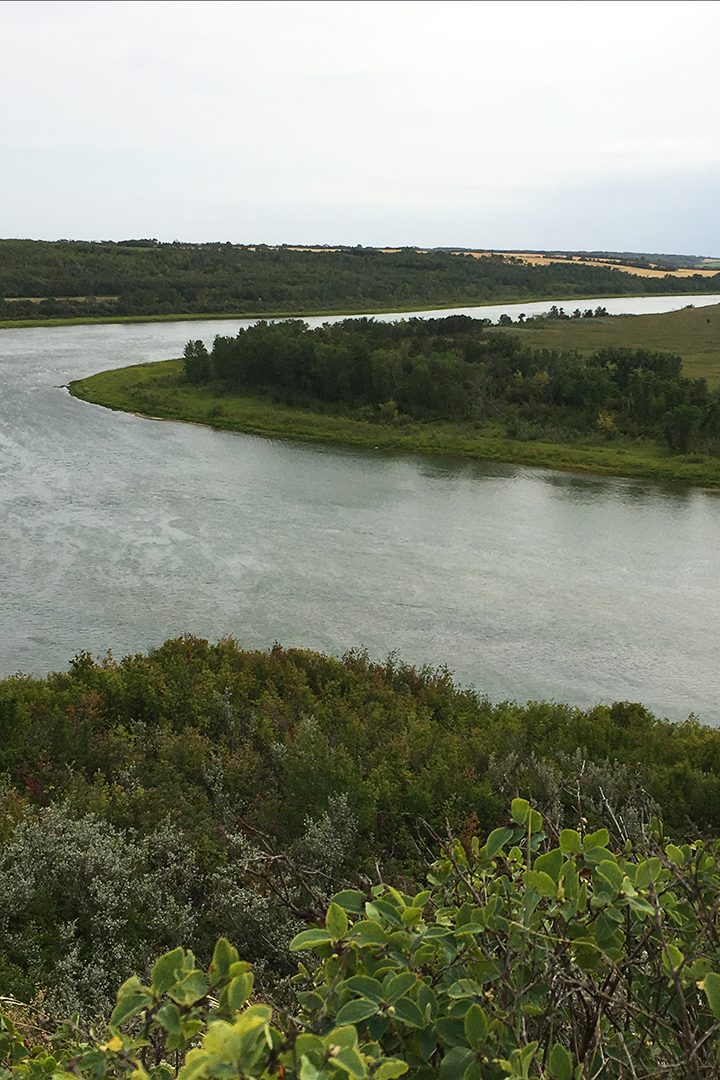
[[162, 391], [312, 313]]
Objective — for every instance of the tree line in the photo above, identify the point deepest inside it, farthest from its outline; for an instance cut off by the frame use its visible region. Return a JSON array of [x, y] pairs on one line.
[[65, 279], [455, 369]]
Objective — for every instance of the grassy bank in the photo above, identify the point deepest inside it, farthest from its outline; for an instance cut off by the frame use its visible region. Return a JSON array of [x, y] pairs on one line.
[[156, 390], [693, 333]]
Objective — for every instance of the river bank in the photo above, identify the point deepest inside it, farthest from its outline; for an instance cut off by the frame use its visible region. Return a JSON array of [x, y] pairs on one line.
[[512, 304], [157, 391]]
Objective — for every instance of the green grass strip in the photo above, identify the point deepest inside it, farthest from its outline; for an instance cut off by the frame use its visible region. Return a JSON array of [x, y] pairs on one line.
[[156, 390]]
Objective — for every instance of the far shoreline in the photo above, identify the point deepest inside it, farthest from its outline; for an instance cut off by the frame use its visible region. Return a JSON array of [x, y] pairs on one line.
[[104, 320]]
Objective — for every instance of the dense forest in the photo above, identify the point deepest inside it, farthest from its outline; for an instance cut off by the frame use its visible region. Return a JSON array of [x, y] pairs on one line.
[[453, 369], [77, 279], [202, 790]]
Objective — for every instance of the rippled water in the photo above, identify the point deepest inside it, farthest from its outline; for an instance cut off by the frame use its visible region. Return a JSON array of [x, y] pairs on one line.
[[117, 532]]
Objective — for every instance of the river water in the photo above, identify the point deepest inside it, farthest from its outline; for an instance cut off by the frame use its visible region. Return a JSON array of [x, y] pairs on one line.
[[118, 532]]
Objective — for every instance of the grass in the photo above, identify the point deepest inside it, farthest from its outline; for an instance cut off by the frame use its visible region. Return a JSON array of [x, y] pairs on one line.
[[156, 390], [693, 333]]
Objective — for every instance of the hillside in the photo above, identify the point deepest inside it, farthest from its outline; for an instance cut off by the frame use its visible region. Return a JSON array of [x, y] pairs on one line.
[[42, 280]]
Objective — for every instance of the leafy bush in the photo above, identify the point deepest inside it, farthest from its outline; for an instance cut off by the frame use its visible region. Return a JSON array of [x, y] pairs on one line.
[[534, 956]]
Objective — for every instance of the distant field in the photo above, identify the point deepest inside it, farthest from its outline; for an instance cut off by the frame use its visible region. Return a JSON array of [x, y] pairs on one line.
[[538, 259], [693, 333]]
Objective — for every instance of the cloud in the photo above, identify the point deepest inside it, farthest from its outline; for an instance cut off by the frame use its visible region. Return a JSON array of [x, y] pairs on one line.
[[420, 119]]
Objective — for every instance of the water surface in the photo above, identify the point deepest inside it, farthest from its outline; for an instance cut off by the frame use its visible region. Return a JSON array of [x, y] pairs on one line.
[[117, 532]]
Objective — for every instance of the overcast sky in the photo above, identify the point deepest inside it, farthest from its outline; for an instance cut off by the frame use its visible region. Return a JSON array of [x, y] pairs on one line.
[[571, 125]]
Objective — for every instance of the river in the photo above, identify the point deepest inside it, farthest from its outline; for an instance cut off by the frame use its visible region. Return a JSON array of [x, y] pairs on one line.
[[118, 532]]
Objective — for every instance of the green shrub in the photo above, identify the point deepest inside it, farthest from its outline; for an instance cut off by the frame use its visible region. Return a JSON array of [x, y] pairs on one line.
[[535, 956]]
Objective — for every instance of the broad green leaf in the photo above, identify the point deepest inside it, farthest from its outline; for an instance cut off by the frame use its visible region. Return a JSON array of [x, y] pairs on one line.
[[132, 999], [475, 1026], [587, 954], [596, 854], [427, 1041], [309, 939], [640, 905], [307, 1043], [254, 1016], [571, 841], [351, 1061], [378, 1025], [383, 908], [195, 1062], [451, 1031], [464, 988], [675, 854], [519, 810], [367, 932], [560, 1063], [601, 838], [239, 968], [190, 989], [169, 1017], [398, 986], [354, 1011], [350, 900], [541, 882], [391, 1069], [711, 986], [455, 1062], [224, 956], [551, 863], [436, 931], [131, 986], [366, 987], [239, 990], [698, 969], [344, 1035], [427, 1002], [307, 1070], [496, 840], [336, 922], [411, 916], [222, 1039], [627, 887], [164, 971], [646, 872], [611, 872], [407, 1011]]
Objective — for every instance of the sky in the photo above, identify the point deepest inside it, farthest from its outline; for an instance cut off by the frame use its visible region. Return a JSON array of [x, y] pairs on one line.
[[510, 125]]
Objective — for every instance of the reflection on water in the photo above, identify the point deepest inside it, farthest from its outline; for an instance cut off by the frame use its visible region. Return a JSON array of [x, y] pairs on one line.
[[119, 532]]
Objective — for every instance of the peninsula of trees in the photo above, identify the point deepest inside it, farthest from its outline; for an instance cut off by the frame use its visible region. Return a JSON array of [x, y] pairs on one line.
[[82, 280], [452, 369]]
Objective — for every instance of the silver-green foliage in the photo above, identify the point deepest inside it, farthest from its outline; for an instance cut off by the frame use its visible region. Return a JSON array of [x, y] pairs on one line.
[[82, 904]]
